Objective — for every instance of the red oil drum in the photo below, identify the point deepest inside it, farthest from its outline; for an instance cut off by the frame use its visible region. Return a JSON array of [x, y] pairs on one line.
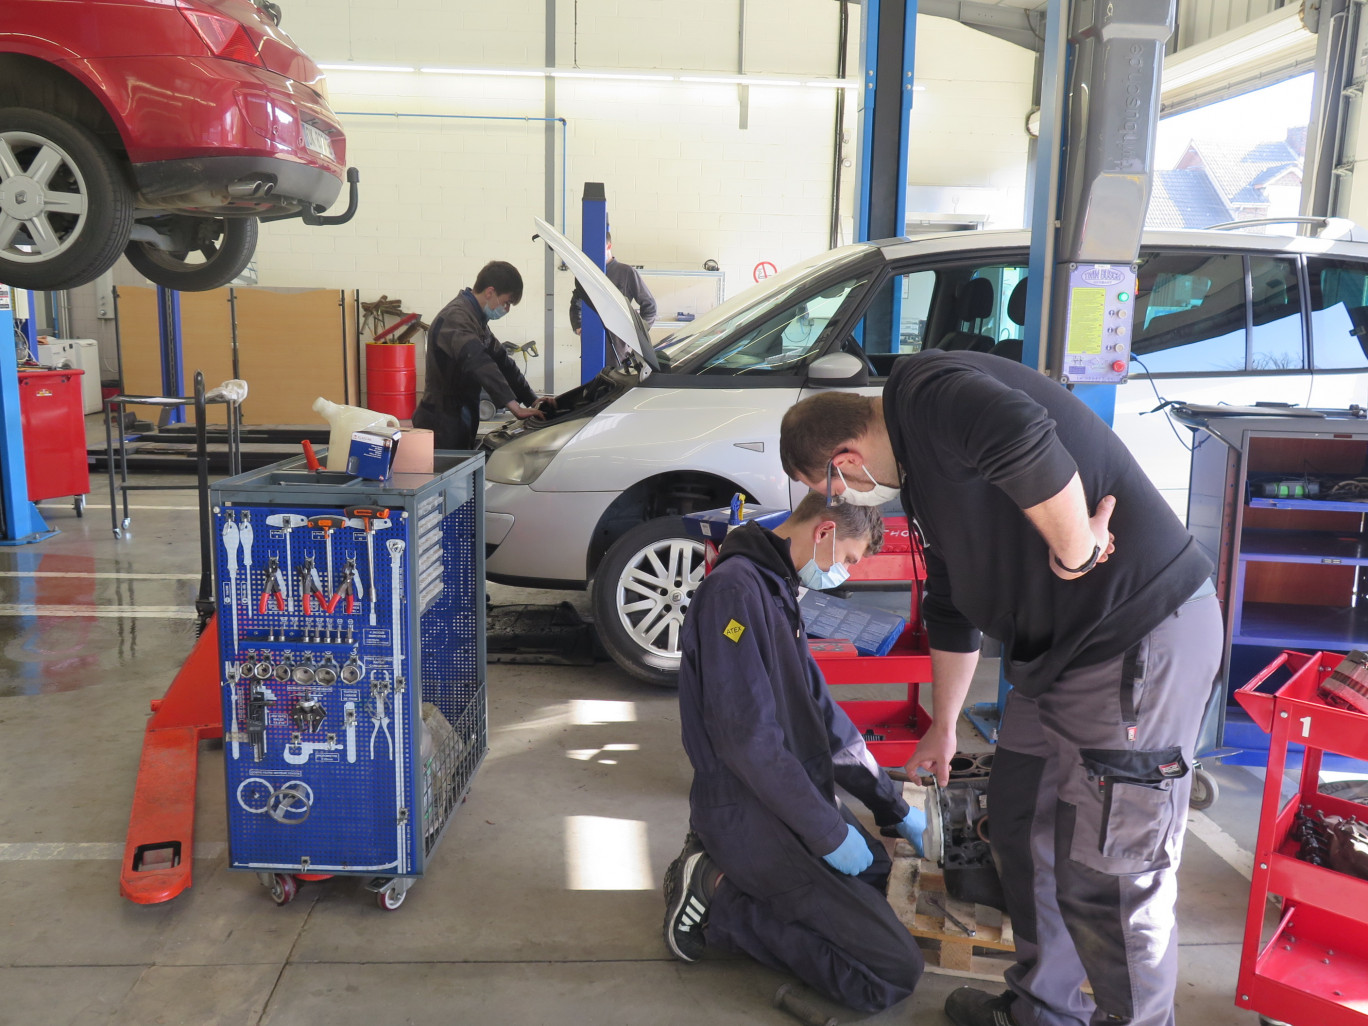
[[391, 378]]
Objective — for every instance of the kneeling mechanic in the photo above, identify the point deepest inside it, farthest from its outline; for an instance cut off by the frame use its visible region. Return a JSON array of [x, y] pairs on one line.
[[774, 866]]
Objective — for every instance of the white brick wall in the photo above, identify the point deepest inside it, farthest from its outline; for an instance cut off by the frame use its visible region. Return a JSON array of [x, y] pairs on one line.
[[440, 196]]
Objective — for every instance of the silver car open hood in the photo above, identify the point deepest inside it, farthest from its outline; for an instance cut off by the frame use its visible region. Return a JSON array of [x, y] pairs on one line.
[[612, 306]]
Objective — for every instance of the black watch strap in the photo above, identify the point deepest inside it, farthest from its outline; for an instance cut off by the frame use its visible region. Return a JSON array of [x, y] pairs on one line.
[[1092, 562]]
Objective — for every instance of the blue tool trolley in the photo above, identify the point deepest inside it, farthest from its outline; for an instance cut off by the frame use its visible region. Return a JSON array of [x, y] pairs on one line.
[[352, 638]]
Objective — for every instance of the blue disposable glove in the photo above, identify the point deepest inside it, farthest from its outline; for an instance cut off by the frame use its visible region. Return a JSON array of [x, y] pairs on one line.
[[853, 857], [910, 829]]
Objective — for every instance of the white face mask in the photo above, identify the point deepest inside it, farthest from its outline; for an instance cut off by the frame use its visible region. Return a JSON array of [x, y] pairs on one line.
[[876, 496]]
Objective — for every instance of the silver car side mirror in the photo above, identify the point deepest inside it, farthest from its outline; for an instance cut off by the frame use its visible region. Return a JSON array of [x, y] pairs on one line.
[[839, 369]]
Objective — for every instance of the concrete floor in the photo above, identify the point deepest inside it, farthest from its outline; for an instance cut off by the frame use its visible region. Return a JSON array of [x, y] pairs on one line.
[[93, 628]]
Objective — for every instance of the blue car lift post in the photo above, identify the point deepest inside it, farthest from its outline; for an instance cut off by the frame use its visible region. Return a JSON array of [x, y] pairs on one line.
[[23, 524], [593, 239]]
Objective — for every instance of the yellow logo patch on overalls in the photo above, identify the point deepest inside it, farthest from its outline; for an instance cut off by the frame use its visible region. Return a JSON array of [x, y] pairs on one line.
[[733, 631]]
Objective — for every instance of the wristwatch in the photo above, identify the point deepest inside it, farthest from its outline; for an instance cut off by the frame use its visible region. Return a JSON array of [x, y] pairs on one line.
[[1091, 562]]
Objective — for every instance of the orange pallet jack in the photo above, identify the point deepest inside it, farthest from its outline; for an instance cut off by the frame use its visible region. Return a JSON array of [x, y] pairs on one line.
[[159, 849], [160, 846]]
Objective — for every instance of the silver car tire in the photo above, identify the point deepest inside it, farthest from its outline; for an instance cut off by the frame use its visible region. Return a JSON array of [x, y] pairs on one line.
[[65, 209], [641, 591]]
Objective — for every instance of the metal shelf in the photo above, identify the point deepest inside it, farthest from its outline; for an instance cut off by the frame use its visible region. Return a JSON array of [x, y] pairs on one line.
[[1274, 546]]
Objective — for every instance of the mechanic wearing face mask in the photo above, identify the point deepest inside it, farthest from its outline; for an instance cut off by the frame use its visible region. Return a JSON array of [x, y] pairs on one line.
[[1042, 532], [774, 866], [463, 357]]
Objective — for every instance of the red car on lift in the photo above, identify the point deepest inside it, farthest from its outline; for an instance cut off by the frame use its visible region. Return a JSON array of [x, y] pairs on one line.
[[160, 129]]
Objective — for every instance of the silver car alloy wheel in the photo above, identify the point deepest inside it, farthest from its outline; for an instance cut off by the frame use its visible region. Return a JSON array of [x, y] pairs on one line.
[[37, 179], [654, 590]]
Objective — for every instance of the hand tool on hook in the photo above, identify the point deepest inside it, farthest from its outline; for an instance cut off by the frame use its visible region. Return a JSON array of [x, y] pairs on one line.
[[328, 523], [379, 718], [350, 586], [287, 522], [310, 586], [275, 586], [396, 548], [372, 519], [231, 540], [246, 535]]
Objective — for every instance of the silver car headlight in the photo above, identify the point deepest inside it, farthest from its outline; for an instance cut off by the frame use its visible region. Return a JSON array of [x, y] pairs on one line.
[[522, 460]]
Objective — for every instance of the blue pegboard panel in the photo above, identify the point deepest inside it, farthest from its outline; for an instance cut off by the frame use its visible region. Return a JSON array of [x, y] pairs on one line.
[[353, 665]]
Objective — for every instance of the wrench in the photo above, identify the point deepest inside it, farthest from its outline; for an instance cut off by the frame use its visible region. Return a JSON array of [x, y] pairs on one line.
[[245, 534], [349, 723], [231, 539], [396, 552]]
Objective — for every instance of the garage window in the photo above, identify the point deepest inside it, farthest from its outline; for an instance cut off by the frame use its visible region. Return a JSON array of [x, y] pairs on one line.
[[1339, 313], [1190, 313]]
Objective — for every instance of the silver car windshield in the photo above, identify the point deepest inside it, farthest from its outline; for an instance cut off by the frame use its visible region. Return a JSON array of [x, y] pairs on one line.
[[678, 349]]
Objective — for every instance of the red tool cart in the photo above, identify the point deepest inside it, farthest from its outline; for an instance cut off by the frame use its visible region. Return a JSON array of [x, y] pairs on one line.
[[53, 415], [891, 728], [1313, 971]]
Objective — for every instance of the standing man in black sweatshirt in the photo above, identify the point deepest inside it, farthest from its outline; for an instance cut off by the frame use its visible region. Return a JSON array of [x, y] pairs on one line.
[[1042, 532], [463, 357]]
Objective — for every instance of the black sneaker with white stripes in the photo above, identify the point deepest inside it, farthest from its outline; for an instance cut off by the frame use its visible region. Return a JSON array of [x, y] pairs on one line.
[[686, 902], [970, 1007]]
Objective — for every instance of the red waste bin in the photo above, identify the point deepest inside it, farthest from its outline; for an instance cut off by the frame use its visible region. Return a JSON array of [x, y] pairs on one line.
[[53, 415]]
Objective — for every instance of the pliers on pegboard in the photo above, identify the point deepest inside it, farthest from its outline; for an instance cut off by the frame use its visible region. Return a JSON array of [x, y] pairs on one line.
[[380, 717], [349, 588], [275, 585], [311, 586]]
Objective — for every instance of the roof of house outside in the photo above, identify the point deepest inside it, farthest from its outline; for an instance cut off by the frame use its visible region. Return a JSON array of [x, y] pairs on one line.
[[1185, 198]]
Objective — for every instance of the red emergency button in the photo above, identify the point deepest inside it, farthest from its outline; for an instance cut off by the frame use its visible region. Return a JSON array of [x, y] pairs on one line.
[[1118, 366]]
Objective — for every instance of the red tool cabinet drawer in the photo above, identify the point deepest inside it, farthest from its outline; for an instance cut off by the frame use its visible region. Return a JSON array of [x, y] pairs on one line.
[[53, 417]]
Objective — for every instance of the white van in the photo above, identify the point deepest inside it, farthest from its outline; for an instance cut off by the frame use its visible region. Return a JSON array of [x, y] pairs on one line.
[[595, 493]]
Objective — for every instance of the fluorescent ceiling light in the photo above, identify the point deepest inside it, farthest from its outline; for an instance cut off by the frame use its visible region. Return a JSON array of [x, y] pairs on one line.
[[631, 75], [491, 72], [833, 83], [361, 67], [746, 80]]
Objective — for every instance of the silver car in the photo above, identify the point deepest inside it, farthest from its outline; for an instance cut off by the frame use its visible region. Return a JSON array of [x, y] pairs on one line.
[[593, 496]]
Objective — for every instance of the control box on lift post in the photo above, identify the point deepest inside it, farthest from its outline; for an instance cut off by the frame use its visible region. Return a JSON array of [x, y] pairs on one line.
[[1097, 324]]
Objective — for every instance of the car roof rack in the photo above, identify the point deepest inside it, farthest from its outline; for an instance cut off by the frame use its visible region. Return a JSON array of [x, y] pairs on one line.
[[1330, 227]]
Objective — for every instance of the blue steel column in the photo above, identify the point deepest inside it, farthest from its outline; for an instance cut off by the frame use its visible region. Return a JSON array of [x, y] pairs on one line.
[[593, 237], [888, 38], [169, 341], [23, 523]]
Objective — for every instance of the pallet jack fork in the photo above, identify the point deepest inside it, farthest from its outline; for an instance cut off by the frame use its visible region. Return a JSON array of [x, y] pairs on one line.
[[159, 849]]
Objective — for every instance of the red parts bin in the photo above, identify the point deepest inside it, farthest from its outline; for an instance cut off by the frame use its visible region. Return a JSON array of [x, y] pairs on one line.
[[52, 412], [1313, 971]]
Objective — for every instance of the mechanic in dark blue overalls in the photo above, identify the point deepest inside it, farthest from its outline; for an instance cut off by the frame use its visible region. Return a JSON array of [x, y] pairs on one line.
[[774, 865]]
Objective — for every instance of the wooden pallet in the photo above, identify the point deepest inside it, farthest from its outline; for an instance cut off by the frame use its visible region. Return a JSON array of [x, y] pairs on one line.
[[947, 948]]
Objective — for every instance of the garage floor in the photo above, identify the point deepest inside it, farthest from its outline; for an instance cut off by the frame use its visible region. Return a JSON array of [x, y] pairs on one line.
[[93, 628]]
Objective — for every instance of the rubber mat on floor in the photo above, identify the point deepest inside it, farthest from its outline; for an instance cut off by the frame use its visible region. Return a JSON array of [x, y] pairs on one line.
[[538, 634]]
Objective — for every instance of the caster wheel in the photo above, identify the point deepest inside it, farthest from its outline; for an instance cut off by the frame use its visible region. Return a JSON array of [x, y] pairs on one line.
[[79, 504], [390, 898], [283, 889], [1205, 790], [1266, 1021]]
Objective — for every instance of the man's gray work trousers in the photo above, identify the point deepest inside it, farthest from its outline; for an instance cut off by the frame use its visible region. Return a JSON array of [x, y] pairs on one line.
[[1088, 804]]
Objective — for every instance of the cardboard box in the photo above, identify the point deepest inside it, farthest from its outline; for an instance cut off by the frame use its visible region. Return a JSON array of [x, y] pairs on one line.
[[372, 453]]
